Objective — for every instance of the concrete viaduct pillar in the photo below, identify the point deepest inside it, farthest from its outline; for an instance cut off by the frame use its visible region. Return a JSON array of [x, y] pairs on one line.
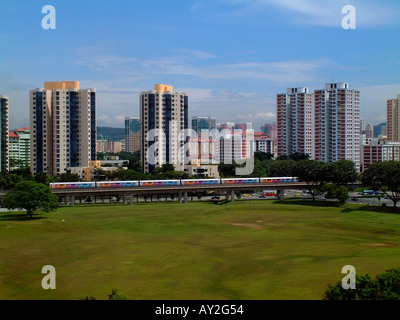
[[72, 199], [280, 194]]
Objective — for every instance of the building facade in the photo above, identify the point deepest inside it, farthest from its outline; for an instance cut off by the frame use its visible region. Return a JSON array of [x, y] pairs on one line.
[[295, 127], [337, 123], [378, 150], [235, 146], [109, 146], [4, 151], [19, 148], [271, 130], [63, 123], [163, 116], [393, 118], [203, 123], [204, 151], [132, 134], [263, 143]]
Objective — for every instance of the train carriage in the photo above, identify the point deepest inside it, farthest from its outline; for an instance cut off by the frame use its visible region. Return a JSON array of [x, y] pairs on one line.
[[157, 183], [240, 181], [72, 185], [193, 182], [117, 184], [279, 180]]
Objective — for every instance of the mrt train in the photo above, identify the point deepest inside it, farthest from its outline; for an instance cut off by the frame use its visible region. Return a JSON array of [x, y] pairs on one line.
[[162, 183]]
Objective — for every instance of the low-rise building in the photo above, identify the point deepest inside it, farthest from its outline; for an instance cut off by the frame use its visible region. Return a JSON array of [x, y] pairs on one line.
[[379, 150], [263, 143]]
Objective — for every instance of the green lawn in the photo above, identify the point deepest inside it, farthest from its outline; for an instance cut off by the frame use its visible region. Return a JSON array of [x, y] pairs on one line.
[[241, 250]]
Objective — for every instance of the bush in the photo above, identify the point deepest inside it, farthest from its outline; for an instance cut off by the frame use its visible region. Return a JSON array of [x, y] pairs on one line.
[[386, 286]]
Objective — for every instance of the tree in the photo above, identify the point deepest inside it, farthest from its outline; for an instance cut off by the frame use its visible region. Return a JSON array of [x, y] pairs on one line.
[[69, 177], [335, 191], [31, 196], [262, 156], [8, 181], [227, 170], [281, 168], [342, 172], [283, 157], [298, 156], [18, 163], [384, 176], [312, 172], [259, 170], [386, 286], [43, 177], [98, 174], [115, 295], [365, 290]]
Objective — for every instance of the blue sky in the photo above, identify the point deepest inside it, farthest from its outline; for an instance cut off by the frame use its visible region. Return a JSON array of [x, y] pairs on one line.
[[231, 56]]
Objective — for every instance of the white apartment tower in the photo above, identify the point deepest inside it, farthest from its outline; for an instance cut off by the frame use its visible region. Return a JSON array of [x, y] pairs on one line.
[[337, 123], [295, 127], [163, 116], [63, 124]]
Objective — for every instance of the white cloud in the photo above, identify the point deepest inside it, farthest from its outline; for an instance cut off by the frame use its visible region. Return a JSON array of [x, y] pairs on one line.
[[187, 62], [117, 121], [285, 72], [321, 12], [190, 54], [266, 116]]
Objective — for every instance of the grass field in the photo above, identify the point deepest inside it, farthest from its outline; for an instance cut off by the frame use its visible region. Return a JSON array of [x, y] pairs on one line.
[[243, 250]]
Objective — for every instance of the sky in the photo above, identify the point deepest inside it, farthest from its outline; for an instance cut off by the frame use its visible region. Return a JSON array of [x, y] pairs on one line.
[[231, 56]]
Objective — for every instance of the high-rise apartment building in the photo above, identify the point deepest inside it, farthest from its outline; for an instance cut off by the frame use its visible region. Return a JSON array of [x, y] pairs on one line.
[[4, 157], [63, 124], [235, 146], [203, 123], [393, 118], [132, 134], [163, 116], [295, 127], [337, 123]]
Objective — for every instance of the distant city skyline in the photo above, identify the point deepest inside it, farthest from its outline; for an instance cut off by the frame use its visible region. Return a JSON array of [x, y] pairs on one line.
[[231, 56]]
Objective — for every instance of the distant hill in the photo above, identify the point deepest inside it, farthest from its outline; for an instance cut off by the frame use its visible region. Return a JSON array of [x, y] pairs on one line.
[[378, 129], [112, 133]]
